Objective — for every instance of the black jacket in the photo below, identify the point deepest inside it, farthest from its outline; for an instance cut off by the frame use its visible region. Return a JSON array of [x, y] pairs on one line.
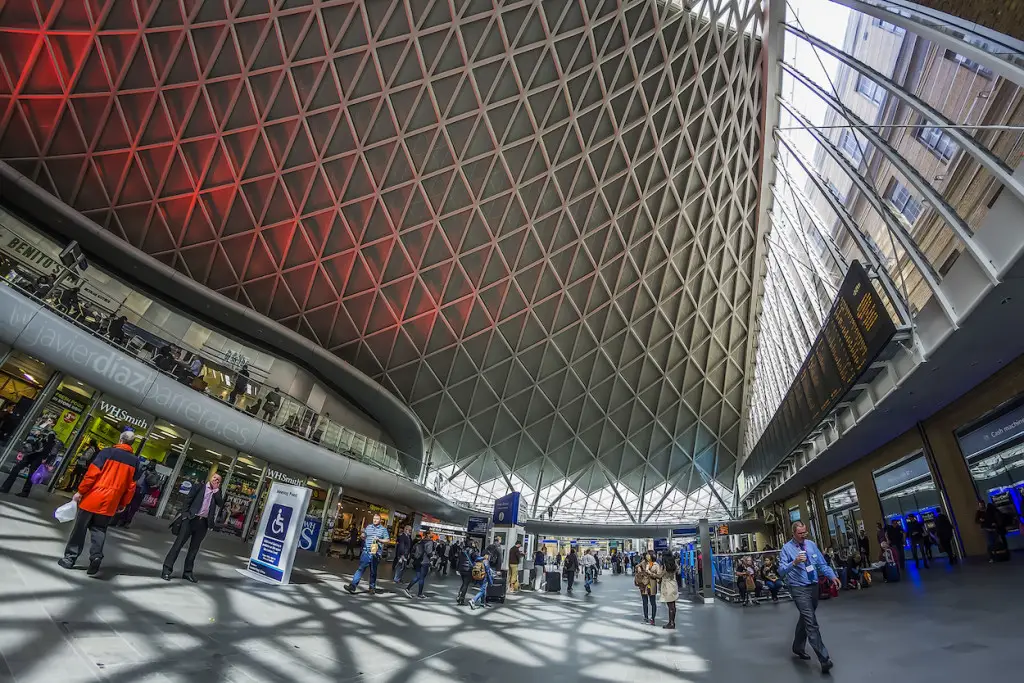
[[403, 546], [194, 503]]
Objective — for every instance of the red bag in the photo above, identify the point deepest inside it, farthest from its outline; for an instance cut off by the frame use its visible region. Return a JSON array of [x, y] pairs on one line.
[[827, 589]]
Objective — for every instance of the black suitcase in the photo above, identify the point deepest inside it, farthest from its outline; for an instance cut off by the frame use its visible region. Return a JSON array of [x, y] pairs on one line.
[[552, 582], [1000, 553], [496, 590]]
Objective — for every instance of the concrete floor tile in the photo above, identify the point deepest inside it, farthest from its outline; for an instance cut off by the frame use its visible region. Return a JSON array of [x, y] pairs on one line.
[[129, 626]]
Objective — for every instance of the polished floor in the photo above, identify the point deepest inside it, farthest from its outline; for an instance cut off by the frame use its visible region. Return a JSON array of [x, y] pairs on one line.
[[127, 625]]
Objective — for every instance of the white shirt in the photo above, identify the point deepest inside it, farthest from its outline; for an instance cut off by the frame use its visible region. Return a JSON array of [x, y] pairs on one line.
[[589, 561]]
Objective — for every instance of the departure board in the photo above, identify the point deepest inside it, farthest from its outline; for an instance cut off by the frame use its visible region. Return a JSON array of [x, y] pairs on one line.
[[856, 330]]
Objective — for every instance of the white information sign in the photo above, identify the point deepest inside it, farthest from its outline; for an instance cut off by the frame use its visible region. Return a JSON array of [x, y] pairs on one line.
[[273, 552]]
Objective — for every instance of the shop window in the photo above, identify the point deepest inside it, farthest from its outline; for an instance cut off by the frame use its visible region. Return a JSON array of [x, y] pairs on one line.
[[994, 451], [842, 512], [938, 141], [201, 461], [101, 429], [240, 493], [869, 89], [899, 196], [907, 488]]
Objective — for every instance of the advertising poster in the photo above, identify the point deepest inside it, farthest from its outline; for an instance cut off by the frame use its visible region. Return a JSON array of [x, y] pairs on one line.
[[279, 532]]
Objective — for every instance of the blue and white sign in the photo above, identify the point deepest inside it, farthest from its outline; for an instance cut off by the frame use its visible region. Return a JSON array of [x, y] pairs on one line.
[[995, 432], [477, 526], [685, 531], [309, 539], [660, 545], [508, 510], [281, 527]]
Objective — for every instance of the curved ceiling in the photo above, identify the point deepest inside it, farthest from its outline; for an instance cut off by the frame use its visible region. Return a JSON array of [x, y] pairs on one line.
[[532, 221]]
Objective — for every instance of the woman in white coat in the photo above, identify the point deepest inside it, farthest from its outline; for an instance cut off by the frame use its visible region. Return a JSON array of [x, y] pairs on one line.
[[669, 591]]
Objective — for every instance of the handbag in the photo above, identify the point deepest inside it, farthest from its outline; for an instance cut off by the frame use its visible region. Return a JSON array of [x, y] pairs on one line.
[[750, 583], [41, 474], [176, 523]]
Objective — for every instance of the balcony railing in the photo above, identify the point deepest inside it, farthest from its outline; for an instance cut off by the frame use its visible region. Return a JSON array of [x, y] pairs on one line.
[[68, 293]]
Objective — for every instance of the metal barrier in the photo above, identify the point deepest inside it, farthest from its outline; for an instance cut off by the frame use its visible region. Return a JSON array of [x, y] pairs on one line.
[[724, 575]]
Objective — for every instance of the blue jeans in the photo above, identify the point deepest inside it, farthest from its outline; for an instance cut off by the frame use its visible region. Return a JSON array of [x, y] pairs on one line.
[[420, 578], [806, 600], [482, 593], [366, 560], [400, 565]]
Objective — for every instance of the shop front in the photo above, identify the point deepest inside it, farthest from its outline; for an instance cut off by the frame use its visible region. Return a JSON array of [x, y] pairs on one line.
[[842, 512], [22, 381], [321, 515], [994, 450], [446, 531], [101, 428], [906, 488]]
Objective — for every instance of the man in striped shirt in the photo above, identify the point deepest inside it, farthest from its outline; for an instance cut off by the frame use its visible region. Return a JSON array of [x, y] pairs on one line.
[[374, 538]]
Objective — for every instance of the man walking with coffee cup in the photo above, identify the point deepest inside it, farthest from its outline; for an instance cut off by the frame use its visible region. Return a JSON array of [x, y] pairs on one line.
[[800, 565]]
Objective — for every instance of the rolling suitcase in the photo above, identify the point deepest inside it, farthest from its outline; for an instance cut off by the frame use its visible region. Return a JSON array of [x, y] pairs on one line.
[[496, 590], [999, 553], [552, 582], [891, 572]]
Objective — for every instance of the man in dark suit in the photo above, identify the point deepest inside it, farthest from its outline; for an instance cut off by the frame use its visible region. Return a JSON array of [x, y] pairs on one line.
[[197, 517]]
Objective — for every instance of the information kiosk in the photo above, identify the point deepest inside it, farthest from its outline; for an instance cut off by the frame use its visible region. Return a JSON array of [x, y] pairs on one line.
[[505, 531]]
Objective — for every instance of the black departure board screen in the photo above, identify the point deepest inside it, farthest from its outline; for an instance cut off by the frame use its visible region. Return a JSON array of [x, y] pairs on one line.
[[856, 330]]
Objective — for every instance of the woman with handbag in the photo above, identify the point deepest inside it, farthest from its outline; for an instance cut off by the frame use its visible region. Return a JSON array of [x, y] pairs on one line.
[[191, 524], [647, 575]]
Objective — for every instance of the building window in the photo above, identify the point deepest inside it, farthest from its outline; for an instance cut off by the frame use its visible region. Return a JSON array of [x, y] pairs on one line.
[[869, 89], [966, 63], [851, 146], [891, 28], [901, 199], [834, 189], [938, 141]]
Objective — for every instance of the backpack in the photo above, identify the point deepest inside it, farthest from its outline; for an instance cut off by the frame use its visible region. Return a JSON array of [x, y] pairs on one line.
[[465, 562], [479, 571], [494, 550]]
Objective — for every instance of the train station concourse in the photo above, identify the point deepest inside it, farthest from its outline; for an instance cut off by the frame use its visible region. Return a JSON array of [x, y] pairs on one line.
[[498, 340]]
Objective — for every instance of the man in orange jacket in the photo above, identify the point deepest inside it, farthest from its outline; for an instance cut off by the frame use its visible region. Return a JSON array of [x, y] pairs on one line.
[[108, 486]]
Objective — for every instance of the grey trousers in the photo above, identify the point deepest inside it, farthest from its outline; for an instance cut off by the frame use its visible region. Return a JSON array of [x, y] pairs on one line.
[[96, 526], [806, 600]]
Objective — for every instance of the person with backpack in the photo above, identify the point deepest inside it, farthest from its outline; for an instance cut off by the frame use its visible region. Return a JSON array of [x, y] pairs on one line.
[[146, 479], [482, 578], [422, 553], [464, 566], [82, 462], [572, 565], [38, 449]]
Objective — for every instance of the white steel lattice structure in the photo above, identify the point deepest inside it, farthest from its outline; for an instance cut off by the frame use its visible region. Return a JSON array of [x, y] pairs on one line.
[[532, 221], [898, 128]]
